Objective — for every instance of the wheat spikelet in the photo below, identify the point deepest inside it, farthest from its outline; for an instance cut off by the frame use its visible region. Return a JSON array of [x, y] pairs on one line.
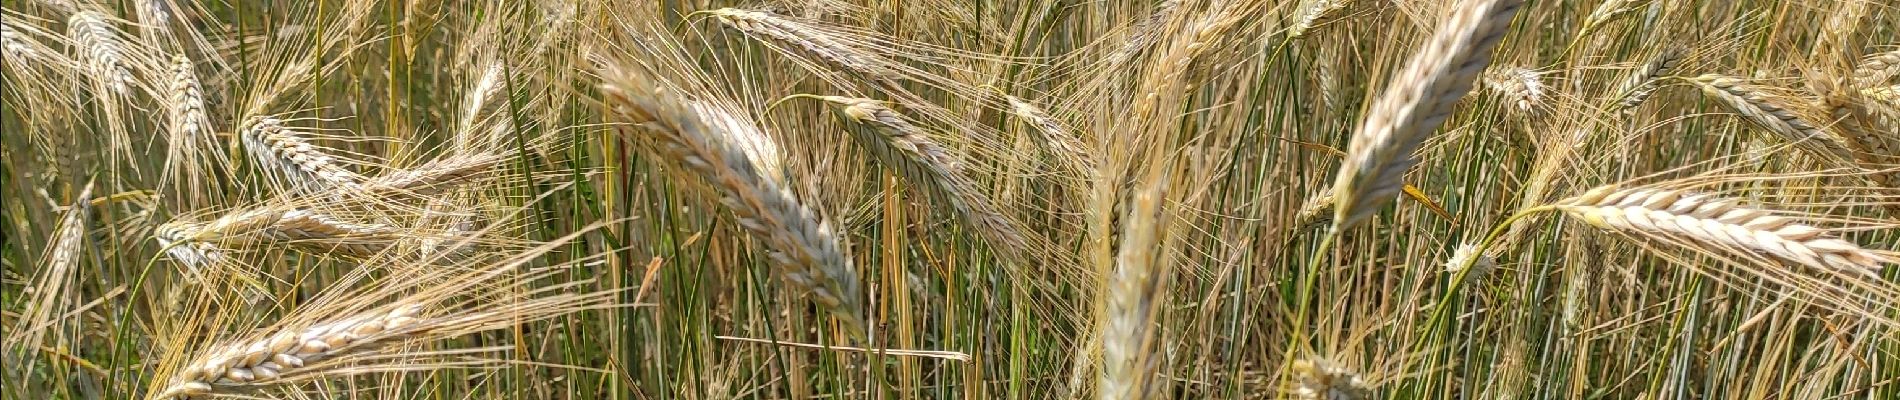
[[1766, 111], [1721, 224], [1877, 69], [435, 176], [187, 105], [1523, 87], [1414, 104], [1314, 13], [264, 361], [773, 28], [1642, 83], [308, 230], [105, 52], [1321, 379], [276, 146], [1470, 256], [803, 248], [176, 237], [1135, 289]]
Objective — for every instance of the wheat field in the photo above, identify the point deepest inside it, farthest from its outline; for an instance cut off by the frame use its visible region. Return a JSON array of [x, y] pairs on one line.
[[950, 199]]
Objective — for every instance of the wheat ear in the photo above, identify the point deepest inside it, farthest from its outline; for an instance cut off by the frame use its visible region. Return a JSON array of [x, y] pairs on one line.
[[436, 176], [802, 247], [1876, 69], [1135, 290], [1523, 87], [1767, 112], [51, 282], [1321, 379], [1414, 105], [1720, 224], [1642, 83], [311, 231], [278, 147], [263, 361], [1314, 13], [775, 29], [105, 51], [1056, 138]]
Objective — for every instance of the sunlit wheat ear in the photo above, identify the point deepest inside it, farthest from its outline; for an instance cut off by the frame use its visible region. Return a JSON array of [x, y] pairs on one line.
[[1316, 211], [1136, 290], [310, 231], [52, 283], [105, 52], [1321, 379], [434, 177], [176, 237], [1522, 87], [365, 326], [1056, 139], [771, 27], [803, 248], [1719, 225], [1607, 12], [1771, 113], [1313, 13], [1642, 82], [1414, 104], [278, 147], [15, 45], [1877, 69]]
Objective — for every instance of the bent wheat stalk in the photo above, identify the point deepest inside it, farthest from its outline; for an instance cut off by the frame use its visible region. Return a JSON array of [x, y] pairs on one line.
[[1415, 104], [802, 247]]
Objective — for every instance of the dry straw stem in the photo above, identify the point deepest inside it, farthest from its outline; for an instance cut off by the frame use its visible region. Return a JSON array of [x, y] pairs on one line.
[[279, 147], [1643, 82], [1523, 87], [1769, 112], [1877, 69], [363, 327], [1414, 105], [803, 248], [1719, 225], [53, 280], [1135, 290]]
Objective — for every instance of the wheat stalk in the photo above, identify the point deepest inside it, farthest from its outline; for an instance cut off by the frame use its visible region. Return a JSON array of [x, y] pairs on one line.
[[276, 146], [105, 52], [1417, 101], [802, 247], [1719, 224], [1134, 290], [1766, 111], [1642, 83]]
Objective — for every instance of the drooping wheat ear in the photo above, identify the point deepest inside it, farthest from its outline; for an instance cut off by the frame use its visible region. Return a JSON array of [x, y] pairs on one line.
[[775, 29], [1135, 290], [1321, 379], [1719, 225], [310, 231], [187, 105], [938, 171], [105, 52], [1767, 111], [1523, 87], [1314, 13], [1877, 69], [1609, 11], [231, 366], [51, 283], [1056, 139], [436, 176], [278, 147], [481, 98], [802, 247], [1642, 83], [16, 45], [176, 237], [1416, 102]]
